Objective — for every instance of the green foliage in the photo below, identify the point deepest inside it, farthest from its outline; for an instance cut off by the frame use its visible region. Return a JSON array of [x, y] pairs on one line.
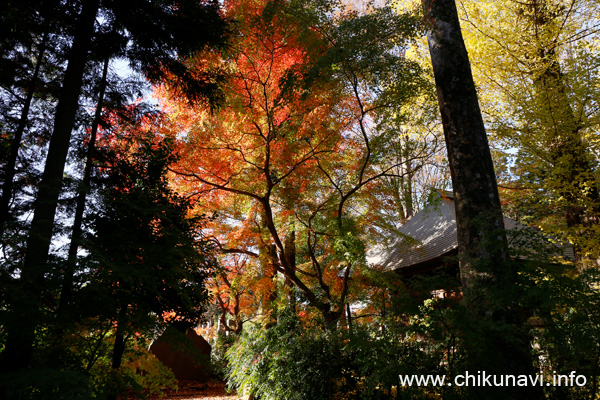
[[140, 375], [218, 354], [537, 68], [144, 260], [295, 362], [566, 305], [379, 357], [46, 383], [289, 362], [369, 46], [153, 264], [417, 334], [150, 269], [348, 245], [559, 305]]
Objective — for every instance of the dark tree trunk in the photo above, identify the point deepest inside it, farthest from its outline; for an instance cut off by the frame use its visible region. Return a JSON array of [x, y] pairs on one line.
[[9, 173], [26, 309], [290, 255], [349, 318], [479, 216], [497, 342], [118, 350], [67, 288]]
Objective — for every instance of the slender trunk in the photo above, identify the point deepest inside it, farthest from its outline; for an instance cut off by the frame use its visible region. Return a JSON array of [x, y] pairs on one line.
[[67, 288], [271, 274], [331, 317], [290, 255], [408, 192], [239, 324], [118, 349], [398, 182], [268, 258], [594, 390], [26, 310], [349, 318], [498, 342], [9, 173], [96, 351], [397, 186]]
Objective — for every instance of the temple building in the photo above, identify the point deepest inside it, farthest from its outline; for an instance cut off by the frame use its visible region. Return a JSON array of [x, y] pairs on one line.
[[429, 241]]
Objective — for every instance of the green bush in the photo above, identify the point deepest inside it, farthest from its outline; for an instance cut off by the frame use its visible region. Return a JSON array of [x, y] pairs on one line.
[[218, 358], [46, 384], [418, 335], [287, 361], [149, 374], [141, 374]]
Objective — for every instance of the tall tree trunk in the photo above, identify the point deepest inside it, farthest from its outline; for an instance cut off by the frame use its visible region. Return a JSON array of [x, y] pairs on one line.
[[118, 350], [9, 173], [67, 288], [349, 318], [26, 308], [290, 255], [268, 260], [497, 343], [481, 234]]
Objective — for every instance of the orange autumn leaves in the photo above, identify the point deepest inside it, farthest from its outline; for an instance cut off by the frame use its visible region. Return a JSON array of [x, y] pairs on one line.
[[278, 162], [257, 157]]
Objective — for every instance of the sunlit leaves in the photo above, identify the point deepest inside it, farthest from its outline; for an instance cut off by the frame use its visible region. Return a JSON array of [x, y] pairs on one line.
[[296, 140], [537, 67]]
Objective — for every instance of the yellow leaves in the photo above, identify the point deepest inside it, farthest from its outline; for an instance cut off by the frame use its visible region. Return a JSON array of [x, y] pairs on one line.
[[407, 5]]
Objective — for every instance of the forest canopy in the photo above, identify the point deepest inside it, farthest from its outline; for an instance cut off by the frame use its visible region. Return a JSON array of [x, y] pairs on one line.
[[231, 167]]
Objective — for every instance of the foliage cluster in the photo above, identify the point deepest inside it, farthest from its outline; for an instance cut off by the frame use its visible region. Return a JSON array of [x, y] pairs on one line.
[[294, 361], [537, 68], [91, 375], [292, 156], [90, 265], [403, 330], [140, 375], [144, 266], [309, 133]]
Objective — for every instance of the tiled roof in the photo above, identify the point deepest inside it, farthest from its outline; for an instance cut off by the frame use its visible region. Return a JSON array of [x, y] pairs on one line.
[[430, 234]]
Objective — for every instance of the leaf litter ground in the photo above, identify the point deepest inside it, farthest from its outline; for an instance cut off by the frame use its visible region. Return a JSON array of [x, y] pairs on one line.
[[190, 390]]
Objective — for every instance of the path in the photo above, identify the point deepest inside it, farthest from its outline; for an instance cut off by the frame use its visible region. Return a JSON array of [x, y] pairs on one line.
[[201, 391]]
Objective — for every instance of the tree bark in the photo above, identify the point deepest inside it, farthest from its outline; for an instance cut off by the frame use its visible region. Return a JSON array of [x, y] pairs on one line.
[[290, 255], [10, 169], [67, 288], [26, 313], [118, 350], [480, 226], [497, 342]]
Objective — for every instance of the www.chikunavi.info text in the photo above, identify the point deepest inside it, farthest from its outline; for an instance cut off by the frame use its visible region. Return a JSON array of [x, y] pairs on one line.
[[481, 379]]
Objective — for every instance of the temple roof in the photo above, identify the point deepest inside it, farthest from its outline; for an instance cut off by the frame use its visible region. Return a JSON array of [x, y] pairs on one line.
[[431, 234]]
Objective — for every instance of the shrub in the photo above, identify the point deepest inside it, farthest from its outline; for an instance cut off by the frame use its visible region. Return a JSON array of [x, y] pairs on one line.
[[287, 361], [218, 358], [141, 374]]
